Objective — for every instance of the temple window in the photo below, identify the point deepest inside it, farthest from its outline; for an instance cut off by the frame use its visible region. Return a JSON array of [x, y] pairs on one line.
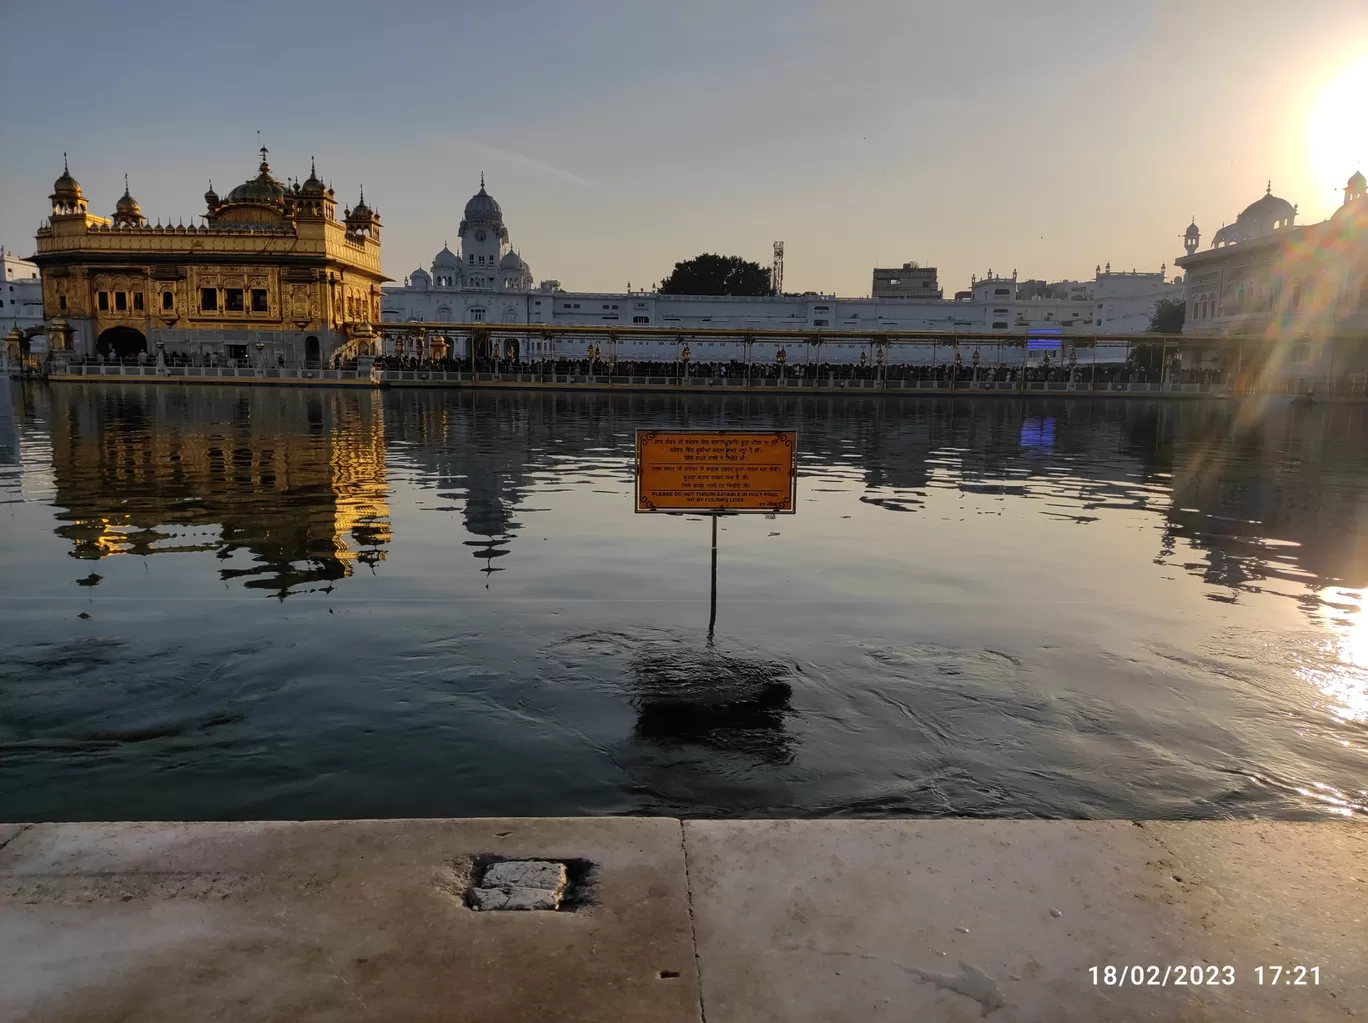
[[472, 259], [168, 300], [209, 299], [102, 301], [121, 301], [259, 300], [61, 302], [233, 300], [138, 301]]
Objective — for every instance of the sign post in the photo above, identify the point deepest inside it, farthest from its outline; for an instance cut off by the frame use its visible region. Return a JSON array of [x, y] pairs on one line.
[[714, 473]]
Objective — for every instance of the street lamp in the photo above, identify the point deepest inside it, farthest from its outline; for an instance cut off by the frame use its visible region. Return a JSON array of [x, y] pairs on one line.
[[684, 356]]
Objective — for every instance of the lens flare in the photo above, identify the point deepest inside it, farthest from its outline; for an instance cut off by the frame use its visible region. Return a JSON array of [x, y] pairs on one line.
[[1338, 131]]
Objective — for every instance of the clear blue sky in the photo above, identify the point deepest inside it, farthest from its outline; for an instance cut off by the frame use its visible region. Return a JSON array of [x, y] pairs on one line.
[[620, 137]]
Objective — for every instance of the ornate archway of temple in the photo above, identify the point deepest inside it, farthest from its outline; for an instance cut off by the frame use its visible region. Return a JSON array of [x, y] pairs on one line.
[[312, 352], [121, 343]]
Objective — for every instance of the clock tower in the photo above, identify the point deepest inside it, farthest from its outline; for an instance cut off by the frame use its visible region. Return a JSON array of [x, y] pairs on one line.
[[484, 239]]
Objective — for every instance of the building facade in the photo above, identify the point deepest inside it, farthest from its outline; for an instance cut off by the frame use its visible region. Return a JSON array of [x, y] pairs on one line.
[[488, 282], [910, 281], [271, 273], [21, 293], [1299, 291]]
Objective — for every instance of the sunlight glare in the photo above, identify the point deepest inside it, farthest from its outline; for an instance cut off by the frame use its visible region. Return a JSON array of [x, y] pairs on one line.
[[1337, 131]]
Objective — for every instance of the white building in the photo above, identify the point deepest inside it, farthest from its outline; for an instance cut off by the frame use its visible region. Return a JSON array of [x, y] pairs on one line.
[[488, 282], [21, 293]]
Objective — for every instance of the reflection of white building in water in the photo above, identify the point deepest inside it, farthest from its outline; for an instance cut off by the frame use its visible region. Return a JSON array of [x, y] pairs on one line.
[[487, 281]]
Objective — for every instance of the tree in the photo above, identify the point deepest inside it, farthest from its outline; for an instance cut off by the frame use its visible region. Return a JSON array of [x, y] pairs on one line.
[[1168, 316], [711, 274]]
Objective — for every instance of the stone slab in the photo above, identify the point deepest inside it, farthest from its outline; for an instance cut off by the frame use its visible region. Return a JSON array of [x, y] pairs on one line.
[[956, 920], [333, 921], [525, 874], [9, 832], [514, 897]]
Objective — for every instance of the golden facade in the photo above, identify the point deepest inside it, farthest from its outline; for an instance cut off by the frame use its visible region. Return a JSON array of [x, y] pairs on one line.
[[271, 274]]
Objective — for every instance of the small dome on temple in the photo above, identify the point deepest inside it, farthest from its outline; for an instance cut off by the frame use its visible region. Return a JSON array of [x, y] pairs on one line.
[[313, 185]]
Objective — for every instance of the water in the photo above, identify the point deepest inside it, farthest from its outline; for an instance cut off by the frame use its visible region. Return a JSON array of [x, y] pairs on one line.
[[333, 603]]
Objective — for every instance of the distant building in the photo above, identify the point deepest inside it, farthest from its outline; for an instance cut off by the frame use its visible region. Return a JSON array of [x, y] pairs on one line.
[[1291, 286], [908, 281], [271, 265], [21, 293], [488, 282]]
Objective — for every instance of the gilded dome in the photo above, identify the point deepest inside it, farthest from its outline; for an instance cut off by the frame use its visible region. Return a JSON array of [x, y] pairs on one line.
[[126, 203], [66, 189], [313, 185], [262, 189], [360, 211]]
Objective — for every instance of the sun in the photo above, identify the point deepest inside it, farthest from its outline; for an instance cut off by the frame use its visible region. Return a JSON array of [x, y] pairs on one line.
[[1338, 129]]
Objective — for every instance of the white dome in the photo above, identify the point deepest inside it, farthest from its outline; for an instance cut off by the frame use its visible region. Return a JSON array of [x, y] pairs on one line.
[[482, 207], [512, 261], [446, 259]]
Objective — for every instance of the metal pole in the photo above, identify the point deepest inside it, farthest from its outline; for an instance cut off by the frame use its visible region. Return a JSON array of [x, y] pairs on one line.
[[712, 601]]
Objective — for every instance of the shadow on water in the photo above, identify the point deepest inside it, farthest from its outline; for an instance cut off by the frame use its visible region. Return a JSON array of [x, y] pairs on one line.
[[714, 700]]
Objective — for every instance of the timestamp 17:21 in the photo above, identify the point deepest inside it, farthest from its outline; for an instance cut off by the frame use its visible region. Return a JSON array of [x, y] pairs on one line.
[[1298, 976]]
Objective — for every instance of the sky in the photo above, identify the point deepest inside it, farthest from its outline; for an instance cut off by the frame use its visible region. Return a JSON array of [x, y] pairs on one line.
[[620, 137]]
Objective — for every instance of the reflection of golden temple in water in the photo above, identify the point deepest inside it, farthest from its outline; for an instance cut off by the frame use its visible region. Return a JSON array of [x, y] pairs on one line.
[[296, 480]]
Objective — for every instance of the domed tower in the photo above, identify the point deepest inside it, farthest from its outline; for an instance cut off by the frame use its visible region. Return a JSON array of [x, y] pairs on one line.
[[446, 269], [211, 199], [1192, 237], [514, 273], [66, 193], [315, 200], [1353, 191], [362, 221], [126, 211], [482, 232]]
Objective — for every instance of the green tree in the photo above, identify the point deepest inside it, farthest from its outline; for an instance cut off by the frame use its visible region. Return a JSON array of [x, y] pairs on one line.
[[1169, 316], [711, 274]]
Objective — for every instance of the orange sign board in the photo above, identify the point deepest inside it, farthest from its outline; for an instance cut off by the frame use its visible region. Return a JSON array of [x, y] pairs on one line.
[[715, 470]]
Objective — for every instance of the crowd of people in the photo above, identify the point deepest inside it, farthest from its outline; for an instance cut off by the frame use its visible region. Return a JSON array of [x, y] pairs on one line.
[[959, 373], [812, 372]]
